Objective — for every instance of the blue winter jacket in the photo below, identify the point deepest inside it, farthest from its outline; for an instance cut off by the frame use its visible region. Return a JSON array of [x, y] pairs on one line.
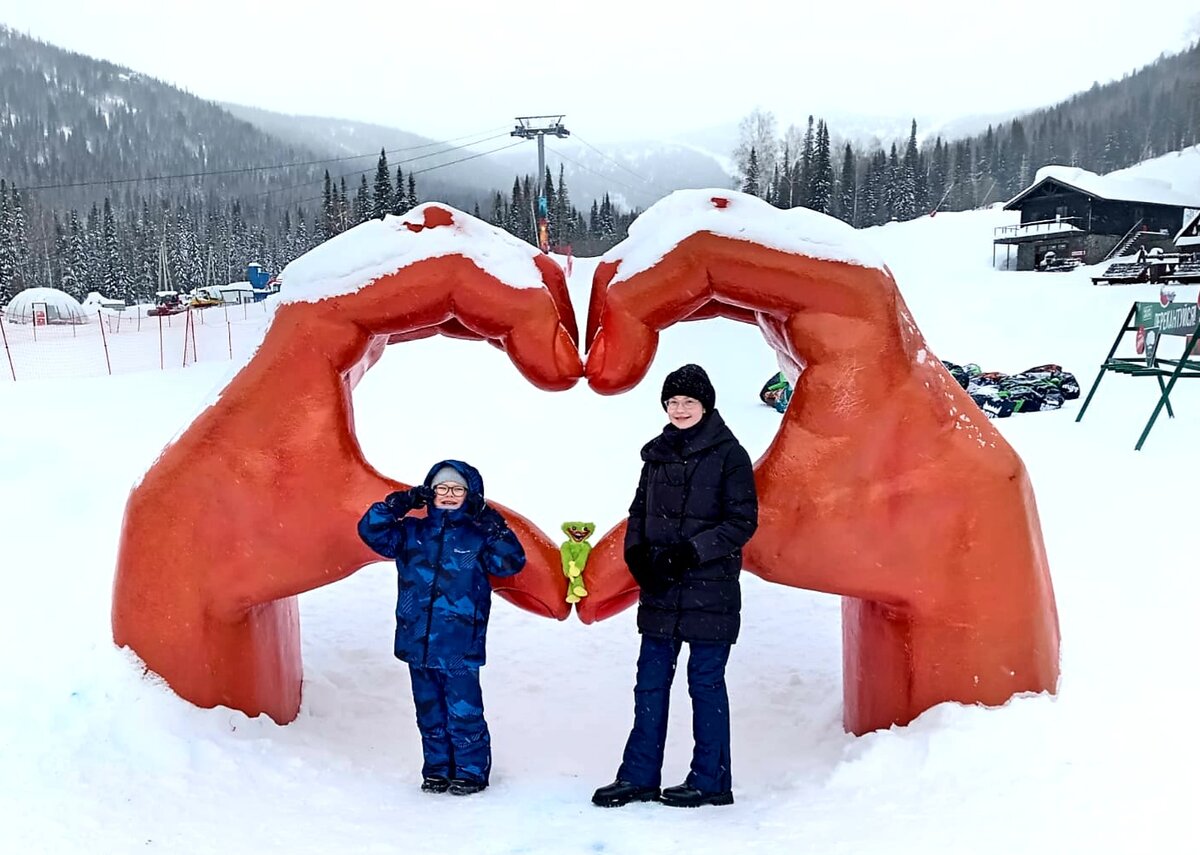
[[443, 562]]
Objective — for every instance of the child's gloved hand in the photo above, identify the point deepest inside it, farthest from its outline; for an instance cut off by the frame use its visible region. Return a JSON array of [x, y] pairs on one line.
[[399, 502], [474, 505], [422, 496]]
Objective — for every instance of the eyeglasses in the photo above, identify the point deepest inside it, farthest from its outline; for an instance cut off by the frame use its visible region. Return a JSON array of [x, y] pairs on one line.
[[683, 404], [455, 490]]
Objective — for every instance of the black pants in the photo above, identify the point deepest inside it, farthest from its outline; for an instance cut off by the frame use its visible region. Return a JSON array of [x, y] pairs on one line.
[[642, 763]]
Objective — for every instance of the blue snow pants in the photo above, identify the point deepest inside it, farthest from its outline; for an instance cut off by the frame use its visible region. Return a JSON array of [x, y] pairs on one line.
[[454, 735], [642, 763]]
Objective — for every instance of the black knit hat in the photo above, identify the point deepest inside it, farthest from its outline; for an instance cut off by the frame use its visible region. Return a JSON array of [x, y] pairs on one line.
[[690, 380]]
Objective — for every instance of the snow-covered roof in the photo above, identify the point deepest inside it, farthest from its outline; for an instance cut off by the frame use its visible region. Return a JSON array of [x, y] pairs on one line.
[[373, 249], [739, 216], [95, 298], [1113, 187], [1189, 235]]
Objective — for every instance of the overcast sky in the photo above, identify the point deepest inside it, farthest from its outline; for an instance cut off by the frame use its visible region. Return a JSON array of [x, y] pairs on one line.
[[618, 69]]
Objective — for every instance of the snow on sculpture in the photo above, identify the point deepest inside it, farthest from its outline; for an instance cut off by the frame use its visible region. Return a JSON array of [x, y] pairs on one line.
[[258, 499], [884, 483]]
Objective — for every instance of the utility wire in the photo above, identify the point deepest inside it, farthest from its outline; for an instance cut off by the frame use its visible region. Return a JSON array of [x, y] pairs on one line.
[[636, 190], [421, 172], [266, 168], [357, 172], [616, 162]]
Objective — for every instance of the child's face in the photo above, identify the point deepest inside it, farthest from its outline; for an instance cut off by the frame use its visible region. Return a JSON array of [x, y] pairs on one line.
[[448, 495]]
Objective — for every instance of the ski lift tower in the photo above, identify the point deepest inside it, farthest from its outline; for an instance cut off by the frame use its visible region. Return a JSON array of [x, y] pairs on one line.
[[529, 127]]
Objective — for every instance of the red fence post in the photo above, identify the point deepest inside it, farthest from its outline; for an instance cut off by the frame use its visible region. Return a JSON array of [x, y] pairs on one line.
[[8, 352], [104, 338]]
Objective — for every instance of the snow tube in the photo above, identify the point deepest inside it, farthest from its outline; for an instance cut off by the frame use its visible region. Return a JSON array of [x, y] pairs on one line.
[[258, 499], [884, 484]]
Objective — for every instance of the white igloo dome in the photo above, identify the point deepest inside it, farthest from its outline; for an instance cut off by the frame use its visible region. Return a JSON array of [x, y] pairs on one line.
[[59, 307]]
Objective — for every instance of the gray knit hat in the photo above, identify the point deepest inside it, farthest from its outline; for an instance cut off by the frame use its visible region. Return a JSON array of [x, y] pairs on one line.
[[447, 474]]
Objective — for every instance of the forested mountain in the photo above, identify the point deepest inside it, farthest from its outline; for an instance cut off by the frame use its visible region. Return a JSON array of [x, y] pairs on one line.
[[113, 181]]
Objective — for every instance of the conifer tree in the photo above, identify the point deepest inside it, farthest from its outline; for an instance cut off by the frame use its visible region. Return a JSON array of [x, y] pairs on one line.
[[411, 201], [804, 183], [750, 184], [381, 201], [821, 188], [847, 208], [328, 210], [398, 195], [366, 206]]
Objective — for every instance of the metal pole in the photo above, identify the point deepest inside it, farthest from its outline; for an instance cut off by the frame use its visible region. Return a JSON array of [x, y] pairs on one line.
[[541, 138], [104, 338], [160, 344], [7, 352]]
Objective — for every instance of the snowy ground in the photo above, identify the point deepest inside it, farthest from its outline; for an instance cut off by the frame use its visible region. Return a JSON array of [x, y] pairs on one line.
[[95, 756]]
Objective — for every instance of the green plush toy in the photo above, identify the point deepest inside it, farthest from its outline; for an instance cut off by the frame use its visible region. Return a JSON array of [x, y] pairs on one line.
[[575, 554]]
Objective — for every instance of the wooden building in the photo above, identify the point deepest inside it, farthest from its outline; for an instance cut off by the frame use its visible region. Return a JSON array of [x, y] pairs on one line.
[[1071, 216]]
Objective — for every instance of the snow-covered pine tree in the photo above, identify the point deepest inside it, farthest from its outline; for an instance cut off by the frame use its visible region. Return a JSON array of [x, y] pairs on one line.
[[804, 182], [750, 182], [381, 201], [398, 195], [821, 188], [8, 258], [847, 207], [18, 236], [566, 211], [328, 210], [364, 205], [411, 200], [783, 189]]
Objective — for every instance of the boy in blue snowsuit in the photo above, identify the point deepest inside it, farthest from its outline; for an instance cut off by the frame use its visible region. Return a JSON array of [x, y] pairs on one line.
[[442, 609]]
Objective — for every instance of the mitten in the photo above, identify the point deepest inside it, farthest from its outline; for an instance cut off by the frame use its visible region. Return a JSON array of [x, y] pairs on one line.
[[491, 522], [474, 504], [399, 502], [422, 496], [671, 562]]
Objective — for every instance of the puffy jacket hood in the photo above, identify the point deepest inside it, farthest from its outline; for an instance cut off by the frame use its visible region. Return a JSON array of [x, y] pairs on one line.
[[470, 474]]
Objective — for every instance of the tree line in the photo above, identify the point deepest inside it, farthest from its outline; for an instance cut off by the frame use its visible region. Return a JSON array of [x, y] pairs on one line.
[[1150, 112]]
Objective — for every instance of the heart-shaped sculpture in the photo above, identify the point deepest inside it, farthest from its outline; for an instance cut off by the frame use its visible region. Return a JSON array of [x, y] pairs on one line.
[[880, 485], [259, 498], [885, 484]]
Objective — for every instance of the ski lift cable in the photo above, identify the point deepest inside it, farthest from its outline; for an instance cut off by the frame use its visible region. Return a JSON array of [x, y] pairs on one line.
[[617, 163], [429, 168], [262, 168], [636, 190], [358, 172]]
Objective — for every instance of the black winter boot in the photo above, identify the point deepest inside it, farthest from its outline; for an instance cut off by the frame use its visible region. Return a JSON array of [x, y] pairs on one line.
[[435, 784], [685, 796], [620, 793], [465, 787]]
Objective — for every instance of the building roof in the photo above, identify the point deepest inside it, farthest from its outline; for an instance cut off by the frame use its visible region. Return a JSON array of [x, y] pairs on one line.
[[1110, 187]]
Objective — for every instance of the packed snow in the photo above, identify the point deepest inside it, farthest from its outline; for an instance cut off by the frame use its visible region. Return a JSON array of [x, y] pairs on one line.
[[97, 756]]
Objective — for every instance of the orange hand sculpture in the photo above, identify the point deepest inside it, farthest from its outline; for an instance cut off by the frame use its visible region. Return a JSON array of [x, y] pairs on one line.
[[885, 483], [259, 498]]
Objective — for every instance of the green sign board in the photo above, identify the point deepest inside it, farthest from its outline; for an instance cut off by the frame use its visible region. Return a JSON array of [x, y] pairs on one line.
[[1171, 319]]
